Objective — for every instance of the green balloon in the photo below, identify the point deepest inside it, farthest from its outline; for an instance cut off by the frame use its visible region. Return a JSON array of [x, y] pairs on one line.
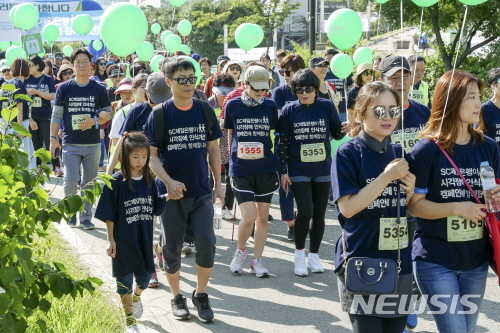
[[13, 53], [164, 35], [17, 44], [184, 27], [155, 63], [156, 28], [186, 49], [424, 3], [68, 50], [341, 65], [363, 55], [173, 43], [51, 32], [97, 45], [472, 2], [261, 33], [12, 14], [86, 41], [176, 3], [4, 45], [197, 68], [83, 24], [146, 51], [123, 28], [26, 16], [344, 28], [381, 1], [41, 54], [247, 36]]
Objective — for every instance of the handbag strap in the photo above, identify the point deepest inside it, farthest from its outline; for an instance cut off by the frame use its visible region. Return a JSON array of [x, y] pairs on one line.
[[458, 171]]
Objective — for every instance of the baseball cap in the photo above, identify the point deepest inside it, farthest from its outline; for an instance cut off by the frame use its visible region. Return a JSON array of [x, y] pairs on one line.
[[317, 61], [126, 86], [196, 57], [391, 64], [157, 88], [222, 59], [116, 73], [258, 77]]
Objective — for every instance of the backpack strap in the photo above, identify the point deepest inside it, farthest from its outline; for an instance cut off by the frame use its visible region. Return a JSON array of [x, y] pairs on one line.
[[209, 115], [159, 120]]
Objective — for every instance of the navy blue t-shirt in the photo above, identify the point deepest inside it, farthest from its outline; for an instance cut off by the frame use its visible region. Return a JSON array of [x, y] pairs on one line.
[[355, 166], [435, 173], [309, 125], [22, 90], [185, 147], [136, 118], [132, 212], [351, 97], [414, 119], [79, 102], [251, 124], [339, 84], [283, 95], [47, 86], [491, 117]]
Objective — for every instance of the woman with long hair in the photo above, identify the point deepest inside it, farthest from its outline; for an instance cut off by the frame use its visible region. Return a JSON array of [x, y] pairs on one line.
[[451, 248], [364, 75]]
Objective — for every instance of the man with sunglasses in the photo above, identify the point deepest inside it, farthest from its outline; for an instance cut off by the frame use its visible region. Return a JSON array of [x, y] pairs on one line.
[[183, 169]]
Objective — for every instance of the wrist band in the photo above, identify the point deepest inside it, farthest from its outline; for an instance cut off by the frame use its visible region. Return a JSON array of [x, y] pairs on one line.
[[53, 137]]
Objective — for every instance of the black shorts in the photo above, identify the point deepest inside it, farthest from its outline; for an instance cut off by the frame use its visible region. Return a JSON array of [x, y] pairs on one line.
[[258, 188]]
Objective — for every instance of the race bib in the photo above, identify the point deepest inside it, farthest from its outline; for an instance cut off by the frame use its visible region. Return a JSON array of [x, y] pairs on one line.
[[389, 233], [37, 102], [313, 152], [417, 96], [250, 150], [77, 119], [337, 98], [461, 229], [406, 140]]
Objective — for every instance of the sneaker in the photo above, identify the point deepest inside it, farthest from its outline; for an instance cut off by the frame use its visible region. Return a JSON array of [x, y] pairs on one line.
[[58, 172], [202, 304], [227, 215], [300, 267], [251, 240], [101, 169], [180, 310], [291, 235], [87, 225], [187, 247], [331, 203], [159, 256], [72, 221], [137, 308], [412, 321], [270, 217], [257, 268], [153, 282], [314, 264], [131, 323], [237, 262]]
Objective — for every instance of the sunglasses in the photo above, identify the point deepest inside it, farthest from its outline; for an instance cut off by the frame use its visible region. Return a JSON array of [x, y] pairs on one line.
[[235, 68], [59, 58], [286, 73], [117, 75], [381, 112], [5, 70], [184, 80], [324, 65], [301, 90], [67, 73], [367, 73], [257, 90], [102, 64]]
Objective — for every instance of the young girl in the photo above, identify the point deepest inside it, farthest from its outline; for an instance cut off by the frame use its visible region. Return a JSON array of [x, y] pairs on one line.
[[128, 210]]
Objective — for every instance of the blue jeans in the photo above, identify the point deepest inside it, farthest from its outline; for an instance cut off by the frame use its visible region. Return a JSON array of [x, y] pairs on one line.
[[451, 285]]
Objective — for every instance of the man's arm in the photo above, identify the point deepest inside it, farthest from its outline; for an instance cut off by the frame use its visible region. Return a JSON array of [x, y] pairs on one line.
[[174, 188], [214, 159]]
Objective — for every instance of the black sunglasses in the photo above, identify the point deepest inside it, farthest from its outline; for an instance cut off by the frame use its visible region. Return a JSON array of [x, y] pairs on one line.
[[5, 70], [59, 58], [367, 73], [102, 64], [257, 90], [184, 80], [323, 65], [117, 75], [301, 90], [235, 68], [285, 73], [381, 112], [67, 73]]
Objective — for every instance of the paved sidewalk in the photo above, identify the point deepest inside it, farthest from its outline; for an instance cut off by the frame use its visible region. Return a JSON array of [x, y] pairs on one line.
[[243, 303]]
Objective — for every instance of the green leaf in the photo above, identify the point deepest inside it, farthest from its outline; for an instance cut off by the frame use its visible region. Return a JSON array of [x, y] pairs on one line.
[[106, 179], [4, 188], [41, 193], [24, 253], [4, 302], [9, 114], [9, 87], [89, 196], [55, 216], [31, 302], [20, 129], [60, 267], [64, 285], [8, 173], [22, 96], [51, 279], [44, 305], [43, 326], [95, 280], [21, 157], [75, 202], [43, 155], [3, 98], [4, 212], [43, 216], [74, 293]]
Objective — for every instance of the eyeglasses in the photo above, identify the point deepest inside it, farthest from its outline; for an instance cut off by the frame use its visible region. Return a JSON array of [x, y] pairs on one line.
[[184, 80], [67, 73], [323, 65], [301, 90], [59, 58], [5, 70], [398, 79], [117, 75], [381, 112], [235, 68], [85, 63], [367, 73], [286, 73], [257, 90]]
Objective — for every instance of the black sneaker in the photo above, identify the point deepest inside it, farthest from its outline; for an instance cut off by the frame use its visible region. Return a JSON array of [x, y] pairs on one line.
[[291, 235], [72, 221], [180, 310], [202, 304]]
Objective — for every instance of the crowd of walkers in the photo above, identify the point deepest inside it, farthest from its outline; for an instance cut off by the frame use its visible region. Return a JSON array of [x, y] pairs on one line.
[[171, 140]]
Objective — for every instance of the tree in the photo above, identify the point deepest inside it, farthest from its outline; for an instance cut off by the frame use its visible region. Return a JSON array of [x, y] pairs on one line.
[[449, 15]]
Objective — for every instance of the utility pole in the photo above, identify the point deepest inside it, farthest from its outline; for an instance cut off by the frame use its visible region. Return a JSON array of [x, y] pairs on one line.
[[312, 25], [226, 34], [321, 19], [369, 18]]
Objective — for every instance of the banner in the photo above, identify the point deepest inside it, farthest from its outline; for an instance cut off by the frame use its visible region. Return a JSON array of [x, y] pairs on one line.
[[253, 54]]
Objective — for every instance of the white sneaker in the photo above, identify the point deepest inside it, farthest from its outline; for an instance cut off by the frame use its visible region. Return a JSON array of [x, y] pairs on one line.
[[331, 203], [187, 247], [314, 264], [257, 268], [300, 268], [237, 262], [227, 215]]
